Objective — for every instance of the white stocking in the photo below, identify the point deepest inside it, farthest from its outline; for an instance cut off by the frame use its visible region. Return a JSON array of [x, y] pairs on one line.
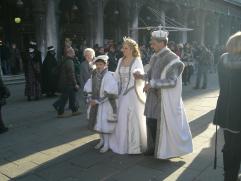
[[100, 144], [105, 148]]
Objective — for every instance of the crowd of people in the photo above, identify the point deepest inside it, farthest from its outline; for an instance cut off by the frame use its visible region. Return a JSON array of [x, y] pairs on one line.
[[138, 110], [10, 59]]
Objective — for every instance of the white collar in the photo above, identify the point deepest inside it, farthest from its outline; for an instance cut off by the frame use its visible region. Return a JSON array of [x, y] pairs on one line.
[[161, 51]]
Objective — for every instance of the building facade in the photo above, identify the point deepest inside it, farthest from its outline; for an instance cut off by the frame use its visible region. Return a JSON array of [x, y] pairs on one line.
[[91, 22]]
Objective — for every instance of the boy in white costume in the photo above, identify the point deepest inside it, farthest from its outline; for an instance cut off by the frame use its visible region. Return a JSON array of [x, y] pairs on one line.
[[102, 90]]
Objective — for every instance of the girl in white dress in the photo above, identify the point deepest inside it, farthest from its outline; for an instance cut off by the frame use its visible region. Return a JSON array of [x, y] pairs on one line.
[[129, 136]]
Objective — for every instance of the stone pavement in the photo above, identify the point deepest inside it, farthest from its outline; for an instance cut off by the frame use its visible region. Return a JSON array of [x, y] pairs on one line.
[[40, 147]]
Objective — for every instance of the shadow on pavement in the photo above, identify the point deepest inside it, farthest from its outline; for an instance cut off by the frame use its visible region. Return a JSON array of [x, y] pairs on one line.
[[85, 163]]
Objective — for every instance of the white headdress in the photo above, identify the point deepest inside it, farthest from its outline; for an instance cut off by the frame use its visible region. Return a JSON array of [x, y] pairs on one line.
[[160, 34], [102, 57]]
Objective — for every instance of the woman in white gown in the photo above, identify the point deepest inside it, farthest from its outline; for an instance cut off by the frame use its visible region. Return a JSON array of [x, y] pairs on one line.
[[129, 136]]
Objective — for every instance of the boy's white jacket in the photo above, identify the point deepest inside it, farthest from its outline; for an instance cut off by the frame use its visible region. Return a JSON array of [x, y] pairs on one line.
[[105, 121]]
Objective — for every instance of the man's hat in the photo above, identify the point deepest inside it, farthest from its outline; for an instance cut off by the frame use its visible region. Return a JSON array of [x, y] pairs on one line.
[[51, 48], [32, 43], [160, 35], [104, 58]]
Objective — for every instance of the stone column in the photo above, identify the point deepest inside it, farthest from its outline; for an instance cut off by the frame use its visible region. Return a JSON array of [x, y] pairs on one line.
[[40, 25], [216, 29], [227, 27], [201, 29], [91, 34], [52, 25], [100, 23], [183, 19], [134, 21]]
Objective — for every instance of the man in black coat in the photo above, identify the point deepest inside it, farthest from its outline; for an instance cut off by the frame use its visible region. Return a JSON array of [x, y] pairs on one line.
[[49, 83], [228, 114]]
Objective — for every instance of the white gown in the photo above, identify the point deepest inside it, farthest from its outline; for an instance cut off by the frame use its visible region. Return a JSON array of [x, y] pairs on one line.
[[174, 137], [129, 136]]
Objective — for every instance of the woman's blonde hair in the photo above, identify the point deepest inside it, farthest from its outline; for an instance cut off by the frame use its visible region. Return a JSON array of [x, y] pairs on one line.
[[233, 44], [133, 45]]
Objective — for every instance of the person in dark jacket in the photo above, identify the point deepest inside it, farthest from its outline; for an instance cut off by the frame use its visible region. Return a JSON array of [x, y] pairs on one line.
[[228, 114], [87, 66], [49, 83], [33, 75], [4, 93], [113, 61], [187, 58], [203, 60], [67, 85]]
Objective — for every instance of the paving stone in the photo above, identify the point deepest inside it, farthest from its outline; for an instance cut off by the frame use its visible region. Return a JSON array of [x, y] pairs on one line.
[[124, 161], [70, 179], [138, 173], [13, 170], [90, 158], [3, 177], [195, 161], [211, 174], [59, 171], [98, 172], [30, 177], [162, 165], [181, 174]]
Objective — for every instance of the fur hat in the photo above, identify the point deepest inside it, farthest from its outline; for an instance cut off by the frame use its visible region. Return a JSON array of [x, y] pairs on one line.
[[104, 58], [160, 35]]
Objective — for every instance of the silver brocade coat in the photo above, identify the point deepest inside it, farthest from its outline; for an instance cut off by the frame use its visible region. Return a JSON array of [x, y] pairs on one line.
[[157, 63]]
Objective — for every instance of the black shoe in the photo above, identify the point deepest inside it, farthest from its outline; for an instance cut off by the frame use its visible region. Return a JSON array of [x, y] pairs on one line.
[[195, 87], [3, 130], [204, 87], [29, 98], [149, 153]]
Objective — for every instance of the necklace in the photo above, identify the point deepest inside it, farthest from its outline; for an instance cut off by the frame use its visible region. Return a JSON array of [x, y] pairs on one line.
[[127, 60]]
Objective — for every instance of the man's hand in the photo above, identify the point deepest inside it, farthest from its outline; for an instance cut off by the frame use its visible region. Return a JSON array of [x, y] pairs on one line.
[[138, 75], [93, 103], [146, 88], [76, 87]]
